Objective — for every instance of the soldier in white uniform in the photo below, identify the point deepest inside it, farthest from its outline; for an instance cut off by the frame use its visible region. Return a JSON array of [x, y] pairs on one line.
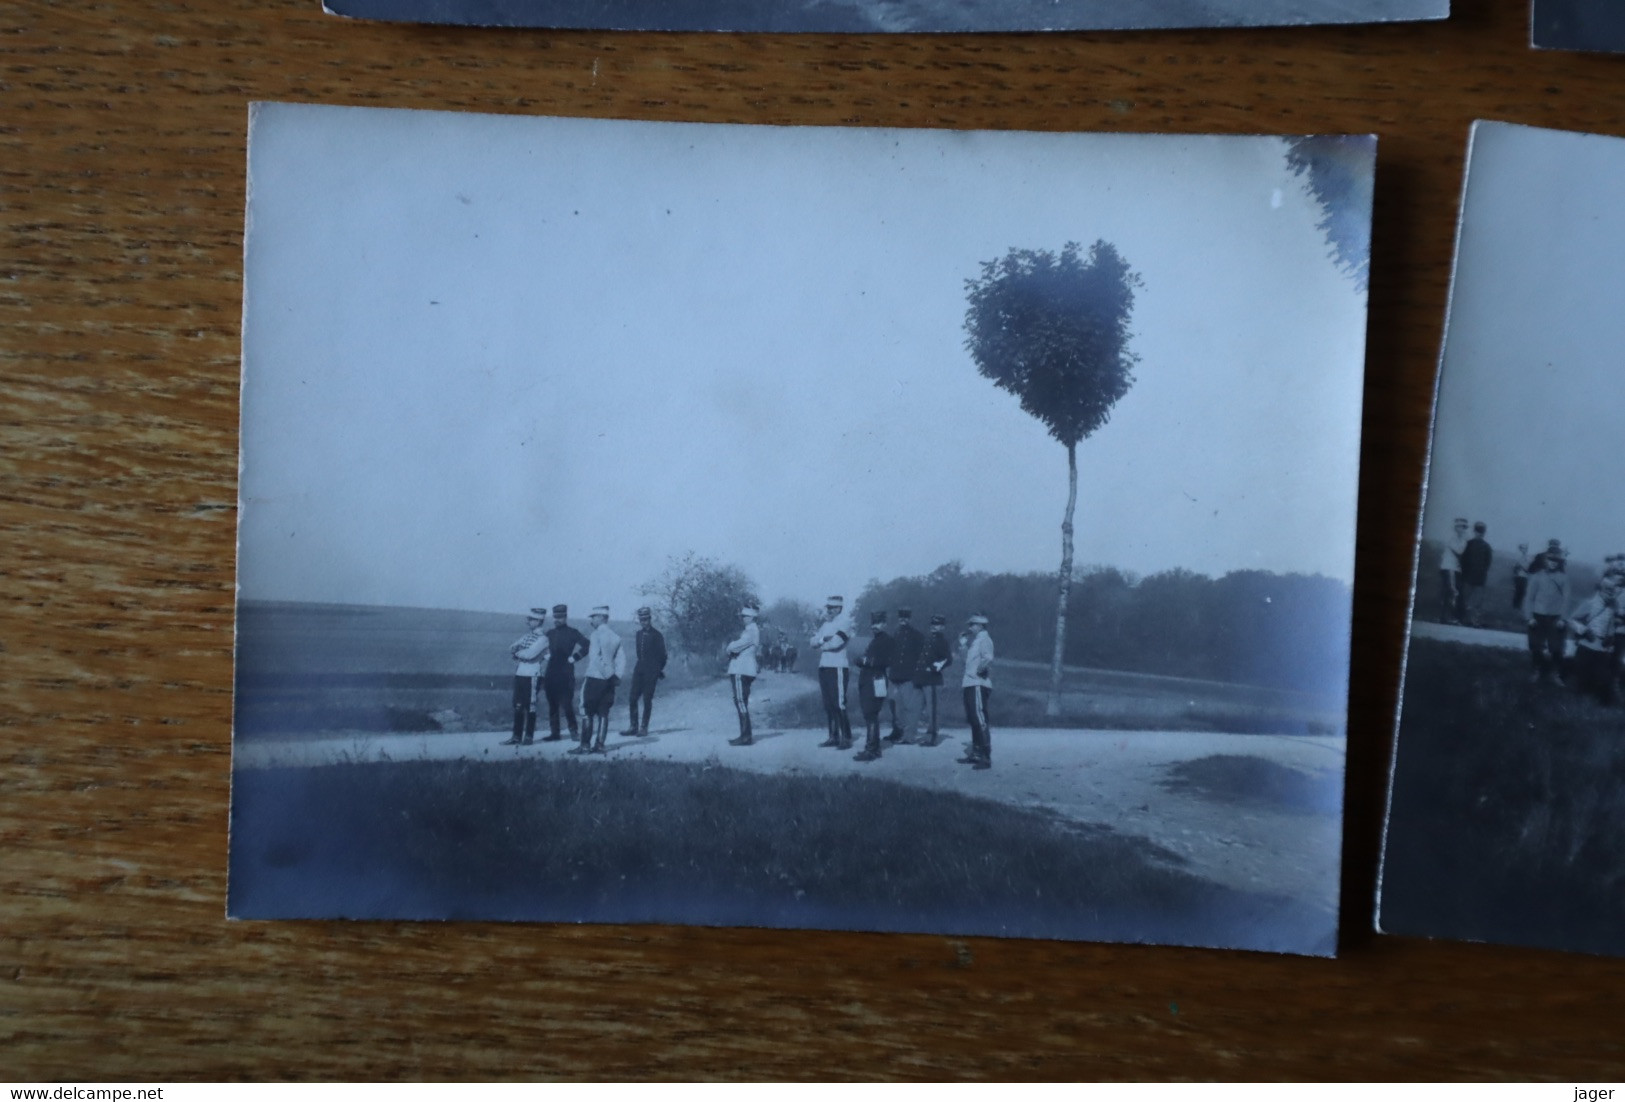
[[530, 652], [606, 663], [834, 670], [742, 670], [978, 684]]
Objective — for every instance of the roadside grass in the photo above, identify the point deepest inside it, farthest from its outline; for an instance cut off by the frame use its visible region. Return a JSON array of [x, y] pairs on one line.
[[641, 841], [1015, 708], [1508, 816]]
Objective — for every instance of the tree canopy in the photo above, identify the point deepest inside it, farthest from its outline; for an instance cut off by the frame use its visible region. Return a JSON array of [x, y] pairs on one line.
[[1341, 180], [700, 598], [1053, 330]]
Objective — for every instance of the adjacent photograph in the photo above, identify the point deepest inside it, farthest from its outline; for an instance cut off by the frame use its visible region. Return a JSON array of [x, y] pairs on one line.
[[880, 16], [843, 528], [1507, 808], [1589, 25]]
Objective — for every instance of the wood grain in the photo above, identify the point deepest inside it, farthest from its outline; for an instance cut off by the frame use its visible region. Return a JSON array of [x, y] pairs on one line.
[[121, 164]]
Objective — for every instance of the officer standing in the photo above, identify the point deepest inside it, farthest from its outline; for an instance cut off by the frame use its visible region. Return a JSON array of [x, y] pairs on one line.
[[742, 670], [1450, 573], [873, 689], [606, 662], [905, 696], [936, 655], [978, 684], [649, 647], [1545, 603], [566, 647], [834, 669], [530, 652]]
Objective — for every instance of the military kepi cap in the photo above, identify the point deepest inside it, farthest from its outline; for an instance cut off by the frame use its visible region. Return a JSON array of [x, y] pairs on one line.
[[837, 600], [904, 613], [600, 610], [645, 613], [749, 612], [978, 619], [877, 617], [561, 610], [939, 620]]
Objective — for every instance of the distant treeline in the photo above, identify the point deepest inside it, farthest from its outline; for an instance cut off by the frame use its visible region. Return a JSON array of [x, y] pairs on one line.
[[1285, 631]]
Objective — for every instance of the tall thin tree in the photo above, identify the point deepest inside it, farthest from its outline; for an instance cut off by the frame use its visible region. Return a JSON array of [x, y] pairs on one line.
[[1053, 329]]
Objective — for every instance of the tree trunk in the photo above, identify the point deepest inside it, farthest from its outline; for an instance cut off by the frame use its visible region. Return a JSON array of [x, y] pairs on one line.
[[1052, 707]]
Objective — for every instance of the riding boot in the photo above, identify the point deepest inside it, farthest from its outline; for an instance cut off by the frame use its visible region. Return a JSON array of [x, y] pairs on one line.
[[845, 724], [530, 728], [834, 738], [871, 742]]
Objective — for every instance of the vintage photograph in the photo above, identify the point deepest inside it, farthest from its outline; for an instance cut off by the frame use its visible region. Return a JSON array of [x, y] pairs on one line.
[[872, 16], [1592, 25], [847, 528], [1507, 810]]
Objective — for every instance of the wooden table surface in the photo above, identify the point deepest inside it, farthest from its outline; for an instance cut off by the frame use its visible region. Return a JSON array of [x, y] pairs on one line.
[[121, 198]]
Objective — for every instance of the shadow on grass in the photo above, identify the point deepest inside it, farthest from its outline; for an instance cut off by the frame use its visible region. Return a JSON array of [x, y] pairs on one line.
[[641, 841], [1508, 807], [1248, 781]]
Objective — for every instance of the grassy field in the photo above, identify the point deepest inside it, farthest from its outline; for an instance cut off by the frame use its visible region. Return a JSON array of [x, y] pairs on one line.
[[653, 841], [310, 668], [1508, 819], [1110, 700]]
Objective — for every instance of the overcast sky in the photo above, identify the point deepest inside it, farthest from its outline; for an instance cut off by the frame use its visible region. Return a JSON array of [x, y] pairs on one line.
[[491, 362], [1531, 413]]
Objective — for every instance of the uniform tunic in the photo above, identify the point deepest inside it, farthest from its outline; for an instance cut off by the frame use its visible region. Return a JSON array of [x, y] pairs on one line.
[[978, 686], [872, 667], [742, 652]]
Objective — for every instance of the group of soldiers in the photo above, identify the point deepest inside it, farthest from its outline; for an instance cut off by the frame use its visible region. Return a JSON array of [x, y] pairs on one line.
[[777, 655], [900, 673], [1541, 593]]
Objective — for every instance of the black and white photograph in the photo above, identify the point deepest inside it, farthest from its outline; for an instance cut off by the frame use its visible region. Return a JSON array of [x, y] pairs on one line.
[[883, 16], [802, 527], [1596, 26], [1507, 809]]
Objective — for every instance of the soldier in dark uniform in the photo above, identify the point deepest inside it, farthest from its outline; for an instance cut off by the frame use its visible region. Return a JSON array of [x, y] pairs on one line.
[[873, 689], [936, 655], [566, 647], [905, 696], [649, 647]]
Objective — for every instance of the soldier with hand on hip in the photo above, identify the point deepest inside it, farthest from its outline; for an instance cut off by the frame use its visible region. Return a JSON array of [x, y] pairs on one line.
[[936, 655], [905, 698], [978, 686], [649, 647], [566, 646]]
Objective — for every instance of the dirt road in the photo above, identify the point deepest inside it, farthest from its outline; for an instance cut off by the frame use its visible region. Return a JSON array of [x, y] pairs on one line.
[[1251, 812]]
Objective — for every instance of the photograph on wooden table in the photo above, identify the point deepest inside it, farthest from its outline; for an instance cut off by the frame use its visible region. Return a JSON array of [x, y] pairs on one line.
[[797, 526], [1590, 25], [1506, 819], [872, 16]]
